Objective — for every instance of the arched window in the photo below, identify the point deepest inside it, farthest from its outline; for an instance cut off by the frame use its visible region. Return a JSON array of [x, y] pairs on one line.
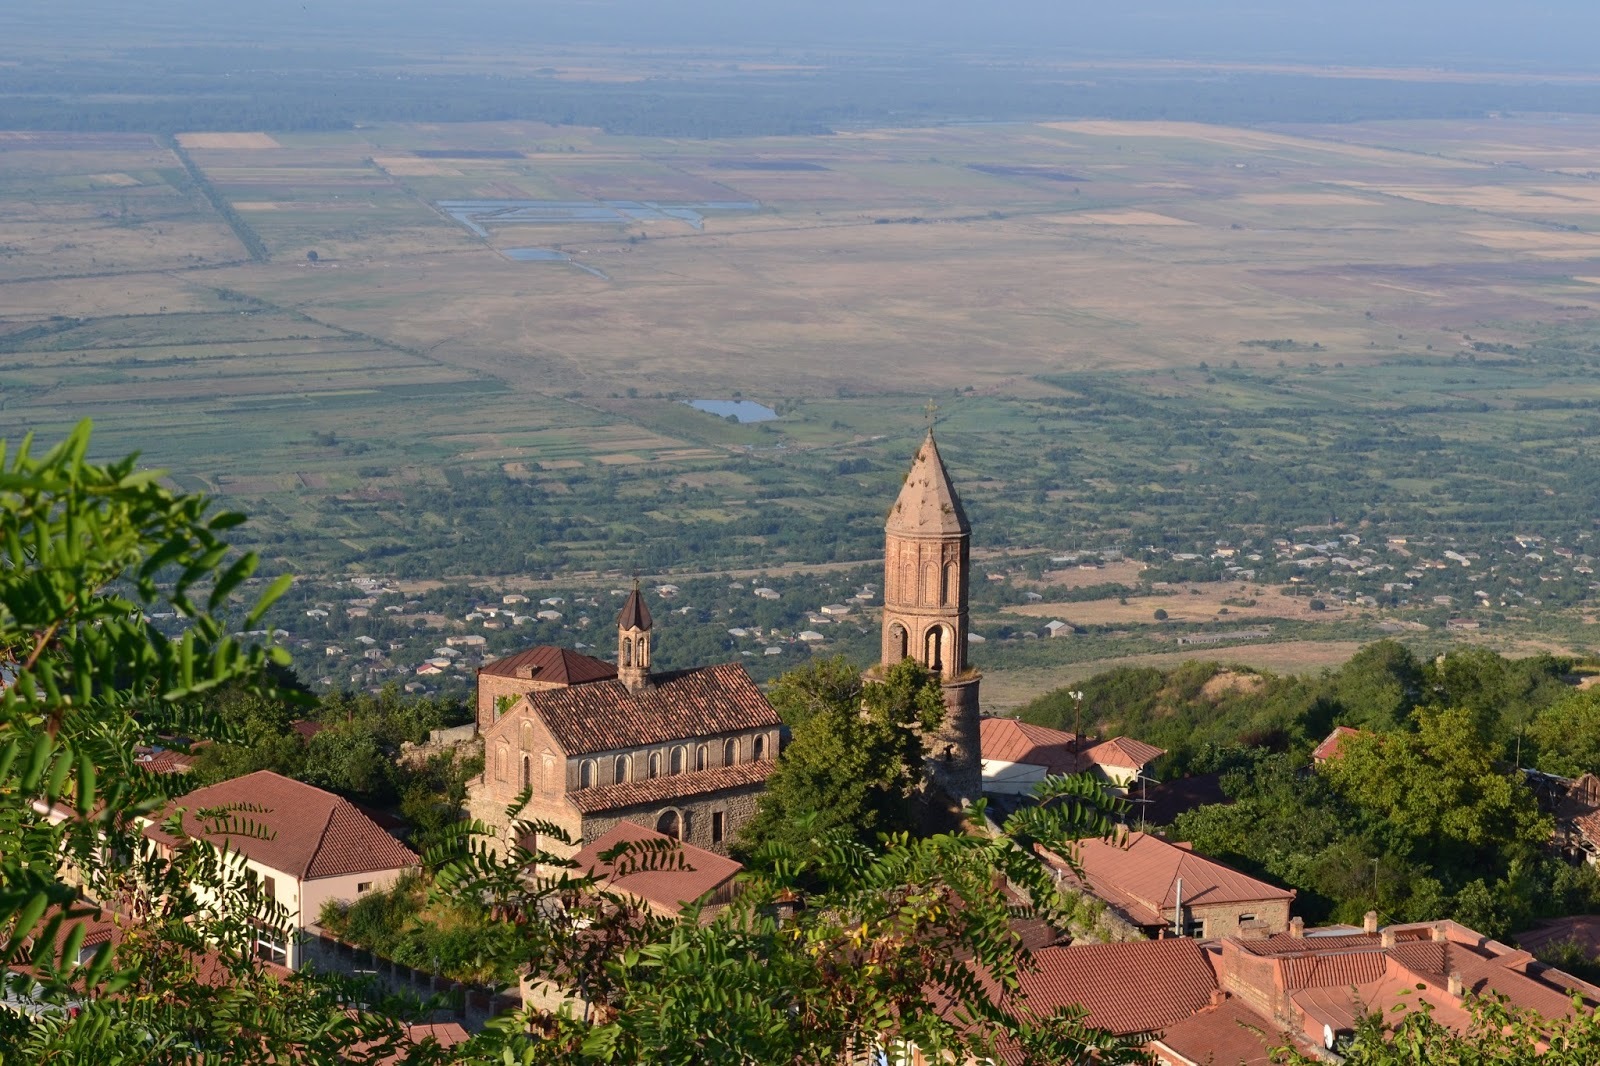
[[655, 764], [898, 641], [730, 752], [670, 824], [678, 757], [627, 651], [548, 773], [935, 646], [700, 757], [932, 587], [952, 582], [624, 769], [527, 735], [642, 656], [586, 773], [908, 583], [527, 771], [503, 761], [758, 750]]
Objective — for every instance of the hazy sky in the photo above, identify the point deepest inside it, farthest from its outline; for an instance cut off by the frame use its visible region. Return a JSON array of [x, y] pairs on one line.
[[1526, 33]]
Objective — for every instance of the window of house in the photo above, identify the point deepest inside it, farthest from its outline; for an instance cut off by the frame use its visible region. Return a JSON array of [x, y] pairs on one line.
[[678, 757], [670, 824], [624, 768], [363, 886], [269, 887], [700, 757], [272, 946], [1247, 918], [758, 750], [586, 773], [716, 827], [527, 771], [730, 753], [655, 764], [1195, 927]]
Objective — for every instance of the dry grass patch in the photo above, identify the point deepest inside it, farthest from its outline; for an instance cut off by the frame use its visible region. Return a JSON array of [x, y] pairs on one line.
[[1193, 603], [245, 141]]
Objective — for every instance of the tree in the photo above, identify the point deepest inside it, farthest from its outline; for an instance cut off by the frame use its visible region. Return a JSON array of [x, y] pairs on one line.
[[1379, 685], [1565, 738], [87, 554], [856, 763]]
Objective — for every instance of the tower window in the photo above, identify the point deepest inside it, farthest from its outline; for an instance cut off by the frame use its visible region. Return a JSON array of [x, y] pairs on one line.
[[898, 640], [627, 651], [935, 647]]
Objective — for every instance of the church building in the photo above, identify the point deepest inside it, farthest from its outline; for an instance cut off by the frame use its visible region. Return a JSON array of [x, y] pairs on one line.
[[687, 753], [684, 753]]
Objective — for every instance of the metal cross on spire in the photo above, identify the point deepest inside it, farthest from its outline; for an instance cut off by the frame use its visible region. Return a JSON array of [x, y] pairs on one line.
[[933, 412]]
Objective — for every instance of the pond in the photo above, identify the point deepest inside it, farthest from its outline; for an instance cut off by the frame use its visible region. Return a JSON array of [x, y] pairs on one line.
[[743, 410]]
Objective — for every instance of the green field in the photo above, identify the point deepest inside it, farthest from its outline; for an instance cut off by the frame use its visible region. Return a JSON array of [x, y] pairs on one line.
[[1147, 336]]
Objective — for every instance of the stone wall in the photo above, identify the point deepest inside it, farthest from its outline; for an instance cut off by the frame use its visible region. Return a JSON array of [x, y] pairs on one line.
[[738, 806], [1223, 919]]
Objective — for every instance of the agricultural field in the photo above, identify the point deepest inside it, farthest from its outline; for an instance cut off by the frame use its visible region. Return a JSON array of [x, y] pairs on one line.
[[1146, 336]]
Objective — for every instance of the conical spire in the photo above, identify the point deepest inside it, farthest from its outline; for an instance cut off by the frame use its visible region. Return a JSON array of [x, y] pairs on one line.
[[635, 615], [928, 504]]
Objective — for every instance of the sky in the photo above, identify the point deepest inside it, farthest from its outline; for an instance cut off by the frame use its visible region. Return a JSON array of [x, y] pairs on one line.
[[1538, 35]]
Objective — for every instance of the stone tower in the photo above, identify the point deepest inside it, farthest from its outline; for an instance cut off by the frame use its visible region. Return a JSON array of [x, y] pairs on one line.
[[633, 643], [927, 565]]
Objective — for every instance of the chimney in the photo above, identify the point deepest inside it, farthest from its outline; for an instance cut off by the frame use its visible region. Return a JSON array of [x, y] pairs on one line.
[[1438, 933], [1297, 926], [1454, 986], [1218, 997], [1369, 923], [1386, 938]]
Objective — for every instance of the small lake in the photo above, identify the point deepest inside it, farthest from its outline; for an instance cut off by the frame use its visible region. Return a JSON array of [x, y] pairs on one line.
[[743, 410]]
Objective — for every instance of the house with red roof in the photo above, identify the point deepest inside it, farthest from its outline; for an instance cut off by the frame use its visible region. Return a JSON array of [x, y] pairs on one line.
[[1231, 1001], [1165, 889], [689, 876], [1329, 748], [303, 845], [1018, 755], [683, 753]]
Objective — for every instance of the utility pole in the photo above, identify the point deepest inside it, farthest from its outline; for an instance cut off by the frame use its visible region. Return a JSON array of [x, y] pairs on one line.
[[1077, 721]]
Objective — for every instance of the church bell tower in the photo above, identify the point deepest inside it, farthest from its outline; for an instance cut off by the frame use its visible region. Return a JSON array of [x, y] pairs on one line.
[[927, 566], [633, 643]]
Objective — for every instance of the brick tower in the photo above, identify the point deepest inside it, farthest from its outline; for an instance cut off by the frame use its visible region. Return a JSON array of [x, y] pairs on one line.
[[633, 643], [927, 563]]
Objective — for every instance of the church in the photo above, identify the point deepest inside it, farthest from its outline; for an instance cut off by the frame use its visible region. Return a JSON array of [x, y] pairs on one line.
[[687, 752]]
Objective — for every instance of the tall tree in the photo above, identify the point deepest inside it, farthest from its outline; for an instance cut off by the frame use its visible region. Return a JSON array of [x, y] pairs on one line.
[[855, 762]]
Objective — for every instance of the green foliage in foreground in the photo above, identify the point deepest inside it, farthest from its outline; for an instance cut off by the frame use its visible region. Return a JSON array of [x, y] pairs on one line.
[[86, 552]]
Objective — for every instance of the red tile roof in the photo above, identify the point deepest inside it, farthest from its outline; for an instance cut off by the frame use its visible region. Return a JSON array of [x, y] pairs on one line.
[[1136, 987], [289, 826], [1229, 1033], [557, 666], [1583, 929], [163, 760], [671, 787], [605, 716], [1008, 740], [1141, 878], [703, 872], [1123, 752], [307, 729], [1329, 748]]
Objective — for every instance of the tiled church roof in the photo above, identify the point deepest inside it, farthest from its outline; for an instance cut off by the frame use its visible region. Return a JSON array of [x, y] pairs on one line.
[[605, 716], [671, 786], [559, 666]]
